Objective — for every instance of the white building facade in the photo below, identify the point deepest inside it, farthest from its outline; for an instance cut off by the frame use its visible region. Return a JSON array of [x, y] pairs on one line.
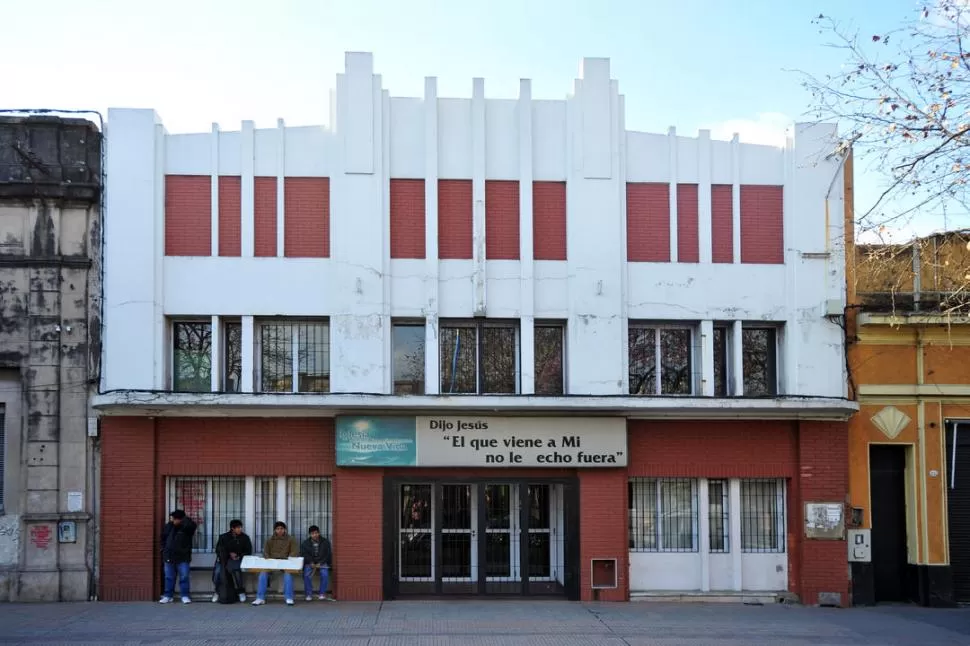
[[503, 263]]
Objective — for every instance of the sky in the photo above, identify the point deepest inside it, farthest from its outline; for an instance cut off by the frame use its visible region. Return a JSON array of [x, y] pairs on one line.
[[729, 66]]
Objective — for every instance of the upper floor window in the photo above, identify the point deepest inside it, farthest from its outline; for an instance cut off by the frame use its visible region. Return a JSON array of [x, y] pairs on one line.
[[479, 357], [192, 356], [232, 357], [407, 346], [660, 360], [549, 358], [294, 356], [760, 356]]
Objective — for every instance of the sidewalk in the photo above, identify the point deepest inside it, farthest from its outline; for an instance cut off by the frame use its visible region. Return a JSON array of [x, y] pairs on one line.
[[460, 623]]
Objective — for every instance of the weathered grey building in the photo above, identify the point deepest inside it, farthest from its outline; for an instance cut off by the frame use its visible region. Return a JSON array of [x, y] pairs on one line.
[[50, 340]]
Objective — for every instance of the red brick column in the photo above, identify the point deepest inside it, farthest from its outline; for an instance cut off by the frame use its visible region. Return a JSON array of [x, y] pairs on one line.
[[823, 450], [128, 531], [603, 528], [358, 534]]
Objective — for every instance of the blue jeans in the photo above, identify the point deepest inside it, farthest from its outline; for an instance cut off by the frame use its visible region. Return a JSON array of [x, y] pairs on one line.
[[264, 583], [308, 579], [182, 569]]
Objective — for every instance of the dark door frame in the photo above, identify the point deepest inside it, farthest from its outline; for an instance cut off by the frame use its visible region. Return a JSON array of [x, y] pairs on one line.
[[890, 532], [571, 564]]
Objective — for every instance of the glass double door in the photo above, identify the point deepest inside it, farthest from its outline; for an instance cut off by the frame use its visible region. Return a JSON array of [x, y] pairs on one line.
[[486, 537]]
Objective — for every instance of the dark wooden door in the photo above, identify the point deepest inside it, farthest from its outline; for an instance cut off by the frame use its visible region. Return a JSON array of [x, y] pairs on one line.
[[887, 489]]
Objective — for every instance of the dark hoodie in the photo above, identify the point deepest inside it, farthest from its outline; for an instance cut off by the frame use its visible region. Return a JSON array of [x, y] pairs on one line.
[[177, 541], [316, 553], [230, 543]]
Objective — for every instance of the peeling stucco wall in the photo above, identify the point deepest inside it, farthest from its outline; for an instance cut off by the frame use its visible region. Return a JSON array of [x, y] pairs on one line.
[[9, 539]]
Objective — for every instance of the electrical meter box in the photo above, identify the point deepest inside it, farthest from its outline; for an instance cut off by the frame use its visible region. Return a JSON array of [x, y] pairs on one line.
[[860, 545]]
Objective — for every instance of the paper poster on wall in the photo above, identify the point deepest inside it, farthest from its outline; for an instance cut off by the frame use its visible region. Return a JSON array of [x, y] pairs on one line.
[[472, 441]]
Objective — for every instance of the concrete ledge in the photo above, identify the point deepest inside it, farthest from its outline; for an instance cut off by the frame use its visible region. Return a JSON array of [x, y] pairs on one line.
[[714, 596]]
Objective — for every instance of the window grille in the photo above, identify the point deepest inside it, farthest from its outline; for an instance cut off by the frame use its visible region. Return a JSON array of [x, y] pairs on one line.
[[762, 516], [718, 506], [265, 510], [211, 502], [308, 501], [663, 514], [294, 356]]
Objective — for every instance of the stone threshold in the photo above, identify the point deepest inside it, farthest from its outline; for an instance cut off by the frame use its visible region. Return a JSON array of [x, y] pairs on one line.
[[713, 596]]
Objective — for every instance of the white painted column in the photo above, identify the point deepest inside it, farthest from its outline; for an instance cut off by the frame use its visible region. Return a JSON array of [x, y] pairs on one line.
[[734, 514], [247, 359], [215, 350], [280, 188], [704, 531], [214, 173], [736, 358], [478, 195], [707, 358], [160, 337], [736, 197], [672, 143], [787, 348], [249, 520], [247, 168], [704, 227], [432, 367], [281, 510], [384, 127], [526, 242]]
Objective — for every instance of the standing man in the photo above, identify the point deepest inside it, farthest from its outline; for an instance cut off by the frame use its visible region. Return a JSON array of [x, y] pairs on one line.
[[230, 550], [278, 546], [317, 555], [177, 554]]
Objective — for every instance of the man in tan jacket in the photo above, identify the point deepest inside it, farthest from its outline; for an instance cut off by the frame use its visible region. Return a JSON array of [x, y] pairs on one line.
[[278, 546]]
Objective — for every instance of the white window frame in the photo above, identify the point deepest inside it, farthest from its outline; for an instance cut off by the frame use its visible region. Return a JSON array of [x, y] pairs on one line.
[[658, 357], [726, 528], [170, 330], [415, 323], [780, 519], [561, 325], [776, 331], [478, 326], [294, 349]]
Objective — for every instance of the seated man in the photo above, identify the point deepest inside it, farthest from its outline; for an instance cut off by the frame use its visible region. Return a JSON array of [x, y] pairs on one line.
[[278, 546], [317, 556], [230, 549]]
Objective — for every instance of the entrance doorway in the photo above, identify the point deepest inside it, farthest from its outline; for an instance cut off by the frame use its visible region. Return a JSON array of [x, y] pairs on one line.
[[481, 537], [958, 506], [887, 487]]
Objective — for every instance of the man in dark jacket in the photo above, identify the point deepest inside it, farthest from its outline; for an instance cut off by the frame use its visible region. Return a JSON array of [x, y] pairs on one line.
[[177, 554], [230, 550], [317, 555]]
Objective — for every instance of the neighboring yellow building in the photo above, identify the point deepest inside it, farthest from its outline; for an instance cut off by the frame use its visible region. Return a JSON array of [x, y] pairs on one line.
[[909, 367]]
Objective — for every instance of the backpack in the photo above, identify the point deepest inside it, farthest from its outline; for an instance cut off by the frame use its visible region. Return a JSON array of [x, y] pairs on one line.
[[227, 588]]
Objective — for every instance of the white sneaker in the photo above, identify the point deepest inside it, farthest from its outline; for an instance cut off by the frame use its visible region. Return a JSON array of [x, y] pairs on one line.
[[309, 598], [324, 597], [242, 596], [259, 602], [165, 600], [186, 600], [289, 602], [215, 598]]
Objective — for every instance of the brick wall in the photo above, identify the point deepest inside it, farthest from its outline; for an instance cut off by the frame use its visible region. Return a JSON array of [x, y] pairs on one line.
[[688, 240], [358, 540], [603, 529], [455, 219], [306, 217], [647, 222], [722, 223], [501, 220], [549, 220], [762, 224], [407, 218], [188, 215], [230, 215], [264, 217], [129, 571]]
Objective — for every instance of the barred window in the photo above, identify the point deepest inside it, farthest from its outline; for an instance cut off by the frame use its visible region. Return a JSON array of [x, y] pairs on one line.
[[718, 506], [663, 514], [265, 510], [309, 503], [294, 356], [211, 502], [762, 515]]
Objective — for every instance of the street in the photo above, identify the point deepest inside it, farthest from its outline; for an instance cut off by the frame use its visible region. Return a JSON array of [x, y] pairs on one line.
[[469, 622]]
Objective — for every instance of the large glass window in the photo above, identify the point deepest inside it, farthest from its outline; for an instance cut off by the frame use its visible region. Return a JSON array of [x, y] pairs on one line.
[[408, 348], [660, 360], [192, 356], [294, 356], [479, 357]]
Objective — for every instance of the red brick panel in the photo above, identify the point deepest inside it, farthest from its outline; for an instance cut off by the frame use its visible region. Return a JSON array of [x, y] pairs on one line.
[[762, 224], [230, 215], [407, 218], [128, 510], [455, 219], [722, 223], [549, 220], [688, 245], [647, 222], [188, 215], [306, 217], [264, 216], [358, 537], [703, 449], [501, 220], [823, 449], [603, 529]]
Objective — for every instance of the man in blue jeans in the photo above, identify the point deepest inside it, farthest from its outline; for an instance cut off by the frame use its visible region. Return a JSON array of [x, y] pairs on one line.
[[177, 555], [317, 556], [278, 546]]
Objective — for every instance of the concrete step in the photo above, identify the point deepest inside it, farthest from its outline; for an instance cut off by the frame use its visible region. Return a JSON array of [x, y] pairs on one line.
[[713, 596]]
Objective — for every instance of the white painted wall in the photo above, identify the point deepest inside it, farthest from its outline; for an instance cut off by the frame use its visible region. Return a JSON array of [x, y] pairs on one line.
[[581, 140]]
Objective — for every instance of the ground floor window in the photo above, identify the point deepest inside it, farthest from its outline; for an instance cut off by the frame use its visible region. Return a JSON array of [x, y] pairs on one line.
[[258, 501], [663, 514], [762, 516]]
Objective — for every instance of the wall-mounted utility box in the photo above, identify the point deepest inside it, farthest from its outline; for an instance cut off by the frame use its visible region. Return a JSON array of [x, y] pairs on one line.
[[860, 546], [603, 574]]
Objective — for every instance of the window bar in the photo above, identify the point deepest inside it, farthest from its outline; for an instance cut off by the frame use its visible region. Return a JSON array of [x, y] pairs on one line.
[[763, 517], [719, 516], [296, 332]]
